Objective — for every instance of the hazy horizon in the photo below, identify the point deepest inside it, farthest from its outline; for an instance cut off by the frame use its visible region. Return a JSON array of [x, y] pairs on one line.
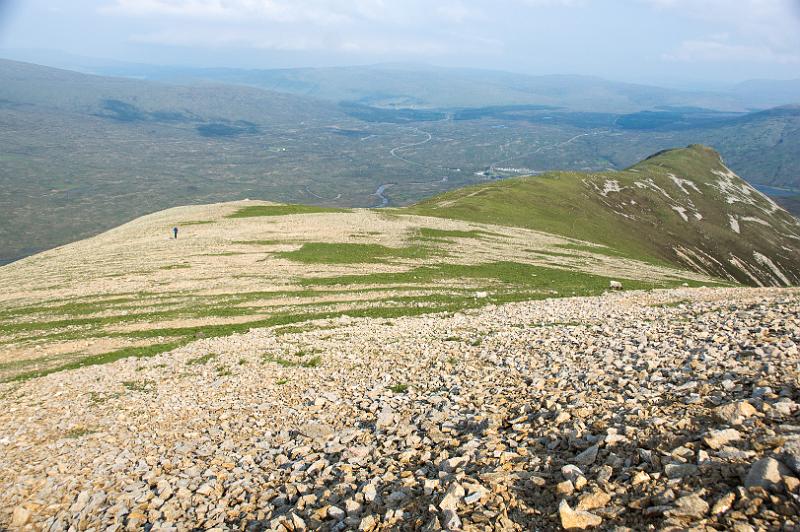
[[702, 44]]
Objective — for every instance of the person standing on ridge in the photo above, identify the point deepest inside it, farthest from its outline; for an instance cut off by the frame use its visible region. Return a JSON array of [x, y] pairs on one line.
[[175, 232]]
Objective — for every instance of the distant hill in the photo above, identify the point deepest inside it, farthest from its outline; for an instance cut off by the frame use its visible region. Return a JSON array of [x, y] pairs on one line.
[[418, 86], [768, 92], [81, 153], [421, 86], [130, 100], [681, 206]]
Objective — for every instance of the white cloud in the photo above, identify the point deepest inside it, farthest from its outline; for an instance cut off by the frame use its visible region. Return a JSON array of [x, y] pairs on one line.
[[323, 12], [715, 50], [775, 21], [554, 3], [458, 12], [284, 11], [722, 31], [764, 31], [291, 41], [369, 27]]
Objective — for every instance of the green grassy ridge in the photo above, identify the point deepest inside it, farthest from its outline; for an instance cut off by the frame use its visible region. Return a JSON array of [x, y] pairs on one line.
[[105, 358], [178, 306], [79, 329], [72, 308], [552, 203], [253, 211], [504, 282], [353, 253], [510, 273], [188, 334], [432, 233], [570, 204], [225, 305]]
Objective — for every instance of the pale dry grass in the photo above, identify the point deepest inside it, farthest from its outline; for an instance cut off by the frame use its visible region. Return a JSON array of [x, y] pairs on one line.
[[140, 261], [209, 258]]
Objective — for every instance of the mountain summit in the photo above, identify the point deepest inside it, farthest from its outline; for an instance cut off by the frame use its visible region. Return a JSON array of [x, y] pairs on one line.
[[682, 206]]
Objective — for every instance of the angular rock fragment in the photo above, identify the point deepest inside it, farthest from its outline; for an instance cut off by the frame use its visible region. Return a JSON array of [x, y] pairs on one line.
[[766, 473], [577, 519], [735, 413]]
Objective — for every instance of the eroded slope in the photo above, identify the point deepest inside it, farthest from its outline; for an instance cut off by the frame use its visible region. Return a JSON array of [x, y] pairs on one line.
[[684, 207]]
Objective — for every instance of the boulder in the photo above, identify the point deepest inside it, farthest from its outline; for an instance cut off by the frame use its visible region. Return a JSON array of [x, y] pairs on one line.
[[577, 519], [735, 413], [766, 473]]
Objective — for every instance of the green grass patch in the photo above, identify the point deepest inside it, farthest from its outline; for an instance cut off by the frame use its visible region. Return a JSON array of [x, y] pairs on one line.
[[196, 222], [176, 267], [139, 386], [105, 358], [263, 242], [298, 329], [312, 362], [438, 234], [201, 360], [514, 275], [286, 363], [673, 304], [283, 362], [78, 432], [280, 210], [352, 253], [549, 253], [598, 250]]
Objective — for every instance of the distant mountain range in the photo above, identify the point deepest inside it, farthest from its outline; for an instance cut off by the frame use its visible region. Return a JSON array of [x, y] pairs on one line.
[[417, 86]]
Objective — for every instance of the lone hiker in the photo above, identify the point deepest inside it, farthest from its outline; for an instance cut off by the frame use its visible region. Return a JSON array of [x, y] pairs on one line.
[[175, 232]]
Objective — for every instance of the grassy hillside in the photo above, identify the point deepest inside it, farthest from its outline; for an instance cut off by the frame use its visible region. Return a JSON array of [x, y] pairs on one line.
[[680, 206], [678, 218], [135, 291]]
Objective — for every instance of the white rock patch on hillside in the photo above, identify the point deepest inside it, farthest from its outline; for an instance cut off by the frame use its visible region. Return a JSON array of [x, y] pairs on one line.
[[734, 223]]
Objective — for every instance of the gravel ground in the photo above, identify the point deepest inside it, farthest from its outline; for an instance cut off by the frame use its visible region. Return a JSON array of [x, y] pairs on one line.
[[667, 410]]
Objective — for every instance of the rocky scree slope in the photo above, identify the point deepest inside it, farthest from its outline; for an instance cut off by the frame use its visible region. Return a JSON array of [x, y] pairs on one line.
[[682, 206], [665, 410]]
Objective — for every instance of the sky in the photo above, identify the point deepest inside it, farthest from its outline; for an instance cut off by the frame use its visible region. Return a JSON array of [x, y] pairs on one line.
[[666, 42]]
